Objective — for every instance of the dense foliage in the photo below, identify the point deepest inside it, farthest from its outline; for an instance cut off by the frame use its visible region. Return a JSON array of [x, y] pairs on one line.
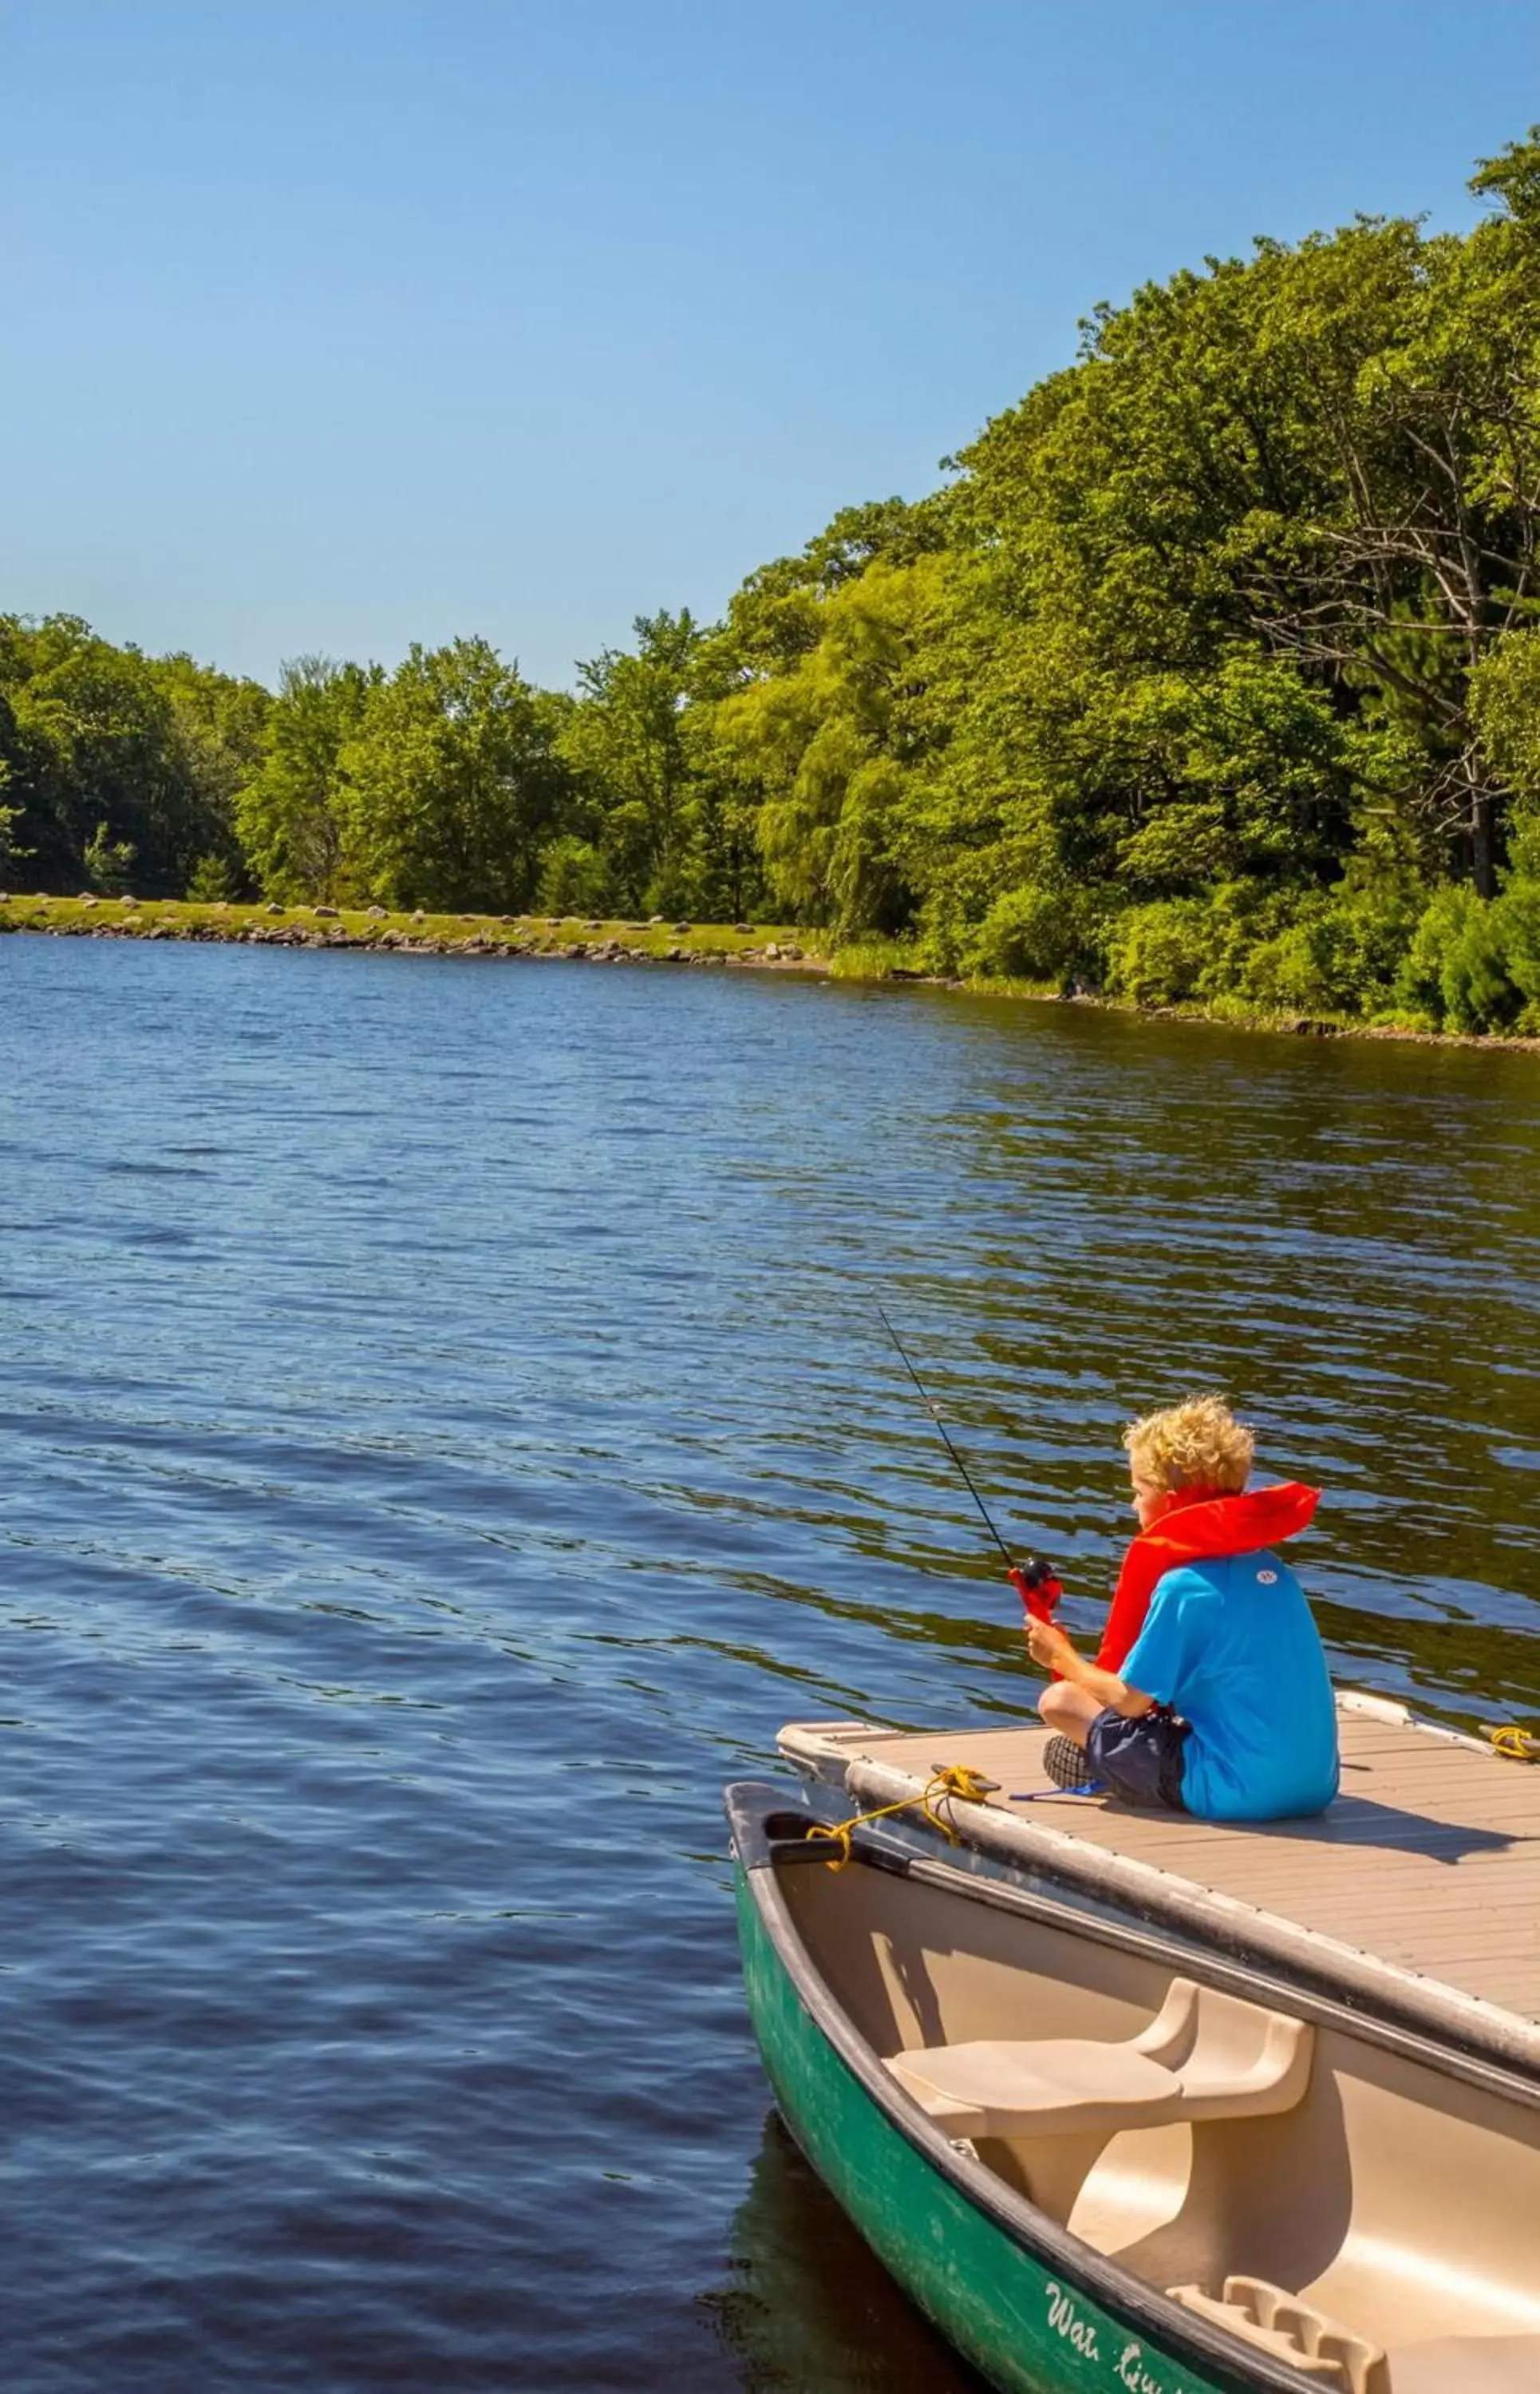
[[113, 764], [1212, 675]]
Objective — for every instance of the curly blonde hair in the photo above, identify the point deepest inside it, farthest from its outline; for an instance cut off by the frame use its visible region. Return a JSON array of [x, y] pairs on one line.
[[1196, 1445]]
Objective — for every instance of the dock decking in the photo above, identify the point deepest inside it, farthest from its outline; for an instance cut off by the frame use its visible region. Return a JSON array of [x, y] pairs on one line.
[[1425, 1872]]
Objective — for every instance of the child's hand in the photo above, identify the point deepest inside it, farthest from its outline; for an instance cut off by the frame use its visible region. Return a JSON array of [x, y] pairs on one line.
[[1047, 1643]]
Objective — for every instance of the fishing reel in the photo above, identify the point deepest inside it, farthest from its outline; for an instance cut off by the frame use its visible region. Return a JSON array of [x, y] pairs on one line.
[[1038, 1585]]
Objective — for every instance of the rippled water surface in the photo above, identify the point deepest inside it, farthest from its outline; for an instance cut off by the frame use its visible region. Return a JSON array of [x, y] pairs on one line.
[[444, 1428]]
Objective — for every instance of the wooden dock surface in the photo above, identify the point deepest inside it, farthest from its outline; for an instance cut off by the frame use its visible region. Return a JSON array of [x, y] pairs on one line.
[[1429, 1861]]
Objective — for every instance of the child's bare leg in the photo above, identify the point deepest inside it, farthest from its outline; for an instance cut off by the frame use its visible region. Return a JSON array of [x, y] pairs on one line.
[[1068, 1710]]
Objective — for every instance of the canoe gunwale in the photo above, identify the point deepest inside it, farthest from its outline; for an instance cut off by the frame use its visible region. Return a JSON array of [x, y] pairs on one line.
[[1181, 2335]]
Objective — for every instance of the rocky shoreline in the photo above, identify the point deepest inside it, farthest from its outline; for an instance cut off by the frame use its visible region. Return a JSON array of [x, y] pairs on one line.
[[376, 930]]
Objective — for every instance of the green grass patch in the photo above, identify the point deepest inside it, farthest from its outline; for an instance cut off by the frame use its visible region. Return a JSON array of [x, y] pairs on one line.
[[877, 960]]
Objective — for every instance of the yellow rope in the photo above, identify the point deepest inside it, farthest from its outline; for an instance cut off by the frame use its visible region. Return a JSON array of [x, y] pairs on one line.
[[949, 1781], [1516, 1744]]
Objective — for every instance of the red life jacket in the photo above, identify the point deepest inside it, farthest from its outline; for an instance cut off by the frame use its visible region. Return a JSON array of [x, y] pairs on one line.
[[1199, 1525]]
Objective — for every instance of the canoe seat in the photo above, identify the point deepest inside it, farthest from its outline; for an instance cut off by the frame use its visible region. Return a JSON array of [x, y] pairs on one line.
[[1205, 2056], [1278, 2322]]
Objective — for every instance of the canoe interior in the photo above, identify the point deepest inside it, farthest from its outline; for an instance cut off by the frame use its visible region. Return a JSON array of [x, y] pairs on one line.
[[1399, 2200]]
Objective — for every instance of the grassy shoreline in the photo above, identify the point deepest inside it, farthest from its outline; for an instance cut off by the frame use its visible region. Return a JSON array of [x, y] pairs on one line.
[[763, 947], [396, 932]]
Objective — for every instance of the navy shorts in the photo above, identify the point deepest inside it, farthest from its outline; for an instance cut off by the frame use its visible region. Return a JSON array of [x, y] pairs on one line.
[[1141, 1759]]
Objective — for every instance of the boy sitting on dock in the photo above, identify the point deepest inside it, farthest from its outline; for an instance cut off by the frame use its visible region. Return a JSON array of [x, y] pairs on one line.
[[1210, 1693]]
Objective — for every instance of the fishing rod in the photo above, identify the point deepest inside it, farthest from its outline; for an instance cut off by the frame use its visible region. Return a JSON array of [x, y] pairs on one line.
[[1036, 1582]]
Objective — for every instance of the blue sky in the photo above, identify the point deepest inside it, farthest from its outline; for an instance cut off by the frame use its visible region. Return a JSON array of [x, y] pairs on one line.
[[334, 325]]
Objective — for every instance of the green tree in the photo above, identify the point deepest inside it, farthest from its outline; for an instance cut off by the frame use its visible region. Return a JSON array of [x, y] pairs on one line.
[[218, 722], [1506, 703], [828, 745], [91, 739], [109, 862], [450, 783], [288, 810], [638, 785], [212, 881], [11, 852]]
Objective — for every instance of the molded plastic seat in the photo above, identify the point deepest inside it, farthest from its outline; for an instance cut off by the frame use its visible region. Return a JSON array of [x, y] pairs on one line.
[[1066, 2088], [1205, 2056]]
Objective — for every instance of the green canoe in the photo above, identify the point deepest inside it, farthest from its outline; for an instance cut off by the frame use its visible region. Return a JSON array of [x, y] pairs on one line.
[[1213, 2251]]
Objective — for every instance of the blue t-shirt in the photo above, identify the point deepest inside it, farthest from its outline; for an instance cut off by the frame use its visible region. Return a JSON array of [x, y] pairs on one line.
[[1231, 1645]]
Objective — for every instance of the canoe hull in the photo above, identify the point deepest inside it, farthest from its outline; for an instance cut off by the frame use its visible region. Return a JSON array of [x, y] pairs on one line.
[[1021, 2320]]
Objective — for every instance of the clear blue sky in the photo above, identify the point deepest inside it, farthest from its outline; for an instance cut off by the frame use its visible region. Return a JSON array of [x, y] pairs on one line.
[[336, 324]]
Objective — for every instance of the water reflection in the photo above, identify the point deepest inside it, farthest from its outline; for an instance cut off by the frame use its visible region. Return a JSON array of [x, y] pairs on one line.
[[805, 2307]]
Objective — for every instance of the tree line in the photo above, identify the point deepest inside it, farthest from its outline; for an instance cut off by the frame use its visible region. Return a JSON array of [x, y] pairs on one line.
[[1210, 674]]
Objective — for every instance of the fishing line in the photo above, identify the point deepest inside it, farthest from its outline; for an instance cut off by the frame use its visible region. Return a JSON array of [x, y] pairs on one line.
[[934, 1411], [1036, 1583]]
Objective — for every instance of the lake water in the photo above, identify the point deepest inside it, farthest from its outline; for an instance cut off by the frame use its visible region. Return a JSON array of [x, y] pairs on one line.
[[445, 1428]]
